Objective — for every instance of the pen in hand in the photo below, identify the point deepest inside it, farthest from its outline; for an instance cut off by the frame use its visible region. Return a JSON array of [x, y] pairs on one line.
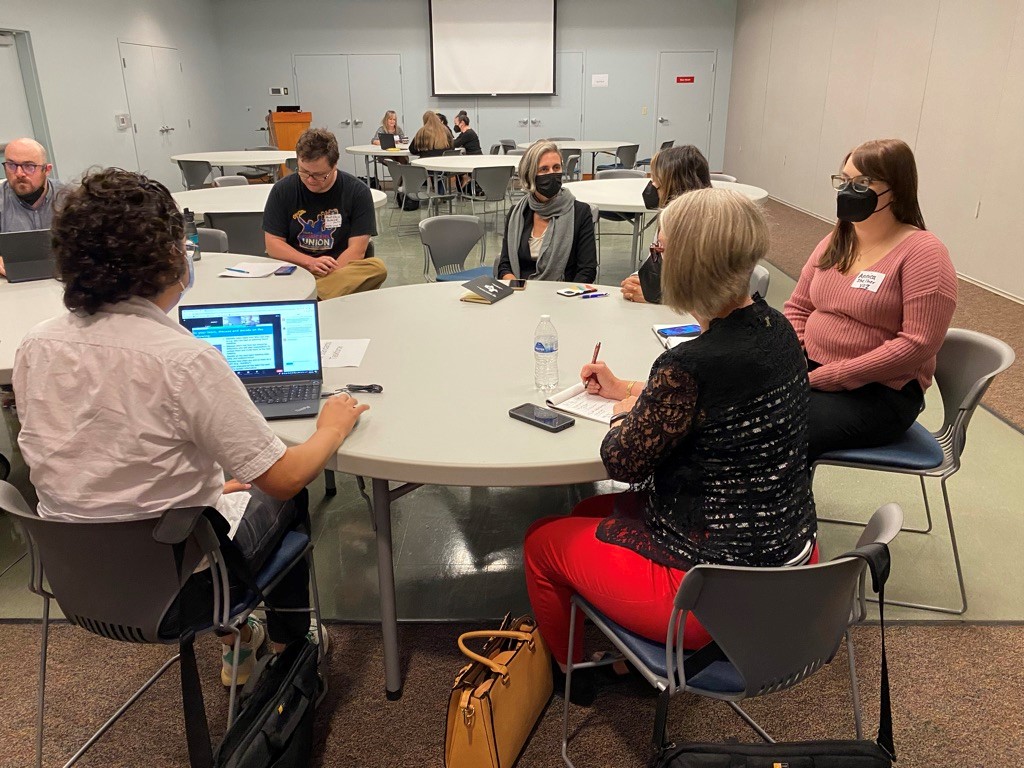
[[597, 351]]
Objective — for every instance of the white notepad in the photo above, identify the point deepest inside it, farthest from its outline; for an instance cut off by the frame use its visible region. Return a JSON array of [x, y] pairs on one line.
[[577, 401]]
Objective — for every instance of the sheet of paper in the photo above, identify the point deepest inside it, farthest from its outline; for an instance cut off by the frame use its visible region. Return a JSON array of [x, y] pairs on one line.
[[577, 401], [342, 353], [250, 269]]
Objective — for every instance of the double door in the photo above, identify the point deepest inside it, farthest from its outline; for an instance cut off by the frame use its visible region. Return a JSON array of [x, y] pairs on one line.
[[528, 118], [349, 94], [154, 84]]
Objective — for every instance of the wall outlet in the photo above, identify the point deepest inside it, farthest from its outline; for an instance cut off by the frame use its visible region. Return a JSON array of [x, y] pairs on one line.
[[123, 121]]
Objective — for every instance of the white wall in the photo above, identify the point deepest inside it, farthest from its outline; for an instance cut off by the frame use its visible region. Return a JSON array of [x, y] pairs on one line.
[[260, 36], [76, 54], [813, 78]]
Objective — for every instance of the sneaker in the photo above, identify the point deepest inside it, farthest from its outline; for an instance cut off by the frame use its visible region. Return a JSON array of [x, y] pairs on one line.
[[314, 637], [246, 654]]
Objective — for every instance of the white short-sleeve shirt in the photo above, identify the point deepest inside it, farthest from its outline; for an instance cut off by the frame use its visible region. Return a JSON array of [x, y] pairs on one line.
[[125, 414]]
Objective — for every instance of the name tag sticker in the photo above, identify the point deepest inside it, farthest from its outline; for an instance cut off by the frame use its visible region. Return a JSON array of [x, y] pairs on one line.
[[868, 281], [332, 220]]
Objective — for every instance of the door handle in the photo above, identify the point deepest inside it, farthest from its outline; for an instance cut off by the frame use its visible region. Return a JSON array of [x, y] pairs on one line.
[[346, 121], [535, 121], [357, 121], [165, 129], [524, 121], [662, 119]]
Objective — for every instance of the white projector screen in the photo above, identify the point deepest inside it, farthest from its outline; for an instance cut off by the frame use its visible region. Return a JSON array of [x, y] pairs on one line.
[[492, 47]]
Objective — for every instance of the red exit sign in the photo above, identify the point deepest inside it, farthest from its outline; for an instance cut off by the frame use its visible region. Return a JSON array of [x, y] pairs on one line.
[[684, 79]]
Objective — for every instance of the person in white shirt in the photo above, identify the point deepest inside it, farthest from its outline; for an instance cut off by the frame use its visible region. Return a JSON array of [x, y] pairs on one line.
[[125, 414]]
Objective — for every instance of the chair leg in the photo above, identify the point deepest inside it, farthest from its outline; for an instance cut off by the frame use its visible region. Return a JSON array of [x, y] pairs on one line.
[[568, 685], [927, 509], [854, 688], [658, 739], [369, 502], [237, 646], [750, 721], [862, 523], [330, 488], [11, 565], [40, 702]]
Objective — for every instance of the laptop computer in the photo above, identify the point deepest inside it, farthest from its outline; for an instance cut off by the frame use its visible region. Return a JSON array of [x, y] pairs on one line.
[[27, 255], [273, 346], [387, 141]]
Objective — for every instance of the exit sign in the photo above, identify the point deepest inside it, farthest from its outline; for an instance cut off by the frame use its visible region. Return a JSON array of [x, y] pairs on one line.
[[684, 79]]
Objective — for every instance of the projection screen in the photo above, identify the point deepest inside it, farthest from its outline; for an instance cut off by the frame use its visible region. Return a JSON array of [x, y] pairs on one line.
[[492, 47]]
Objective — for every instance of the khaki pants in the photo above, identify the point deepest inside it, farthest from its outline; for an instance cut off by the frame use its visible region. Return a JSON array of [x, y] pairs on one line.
[[354, 277]]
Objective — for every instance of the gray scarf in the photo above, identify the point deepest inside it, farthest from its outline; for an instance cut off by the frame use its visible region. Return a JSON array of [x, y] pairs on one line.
[[557, 243]]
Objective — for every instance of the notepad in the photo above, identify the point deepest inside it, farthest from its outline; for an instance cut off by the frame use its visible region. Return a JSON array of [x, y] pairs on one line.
[[577, 401], [250, 269]]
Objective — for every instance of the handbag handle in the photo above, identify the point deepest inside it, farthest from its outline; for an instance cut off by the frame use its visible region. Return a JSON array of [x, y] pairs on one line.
[[498, 669]]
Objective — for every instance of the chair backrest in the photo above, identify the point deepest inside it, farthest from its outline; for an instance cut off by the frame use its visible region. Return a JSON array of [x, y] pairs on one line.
[[212, 240], [775, 625], [414, 178], [965, 366], [452, 152], [667, 144], [563, 138], [448, 240], [515, 152], [261, 148], [194, 173], [627, 155], [395, 171], [244, 230], [620, 173], [111, 578], [230, 181], [759, 280], [569, 166], [723, 177], [507, 144], [495, 149], [494, 181], [292, 163]]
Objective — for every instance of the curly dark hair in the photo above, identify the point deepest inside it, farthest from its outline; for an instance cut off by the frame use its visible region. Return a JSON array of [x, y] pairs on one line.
[[315, 143], [115, 236]]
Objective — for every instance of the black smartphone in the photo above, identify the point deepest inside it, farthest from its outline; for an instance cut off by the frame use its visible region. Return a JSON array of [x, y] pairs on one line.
[[287, 269], [544, 418], [680, 330], [516, 284]]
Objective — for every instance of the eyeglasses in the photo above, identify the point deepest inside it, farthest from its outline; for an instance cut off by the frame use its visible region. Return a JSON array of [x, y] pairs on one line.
[[29, 168], [656, 250], [315, 176], [859, 183]]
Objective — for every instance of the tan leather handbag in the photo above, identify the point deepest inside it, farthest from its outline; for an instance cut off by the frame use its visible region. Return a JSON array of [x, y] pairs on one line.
[[498, 697]]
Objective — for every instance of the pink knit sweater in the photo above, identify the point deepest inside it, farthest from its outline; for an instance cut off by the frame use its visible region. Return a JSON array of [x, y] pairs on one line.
[[890, 335]]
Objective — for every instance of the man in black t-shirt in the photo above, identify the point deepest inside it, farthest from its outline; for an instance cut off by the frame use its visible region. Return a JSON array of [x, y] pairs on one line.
[[322, 219]]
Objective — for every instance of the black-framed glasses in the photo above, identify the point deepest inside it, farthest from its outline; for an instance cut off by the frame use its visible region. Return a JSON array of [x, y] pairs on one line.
[[859, 183], [29, 168], [314, 176]]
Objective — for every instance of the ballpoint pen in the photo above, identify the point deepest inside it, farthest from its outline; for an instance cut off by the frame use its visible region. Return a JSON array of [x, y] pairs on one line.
[[234, 269], [593, 360]]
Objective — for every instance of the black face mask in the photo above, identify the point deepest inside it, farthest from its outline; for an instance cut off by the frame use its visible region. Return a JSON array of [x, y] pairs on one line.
[[854, 206], [32, 197], [650, 195], [548, 184], [457, 129], [650, 279]]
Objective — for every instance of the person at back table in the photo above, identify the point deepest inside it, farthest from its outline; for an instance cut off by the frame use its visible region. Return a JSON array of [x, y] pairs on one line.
[[388, 124], [466, 138], [549, 234], [714, 444], [125, 415], [28, 193], [873, 304], [432, 139], [321, 218], [674, 171]]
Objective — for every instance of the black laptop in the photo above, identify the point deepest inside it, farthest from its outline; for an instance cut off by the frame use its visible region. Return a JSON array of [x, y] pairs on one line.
[[387, 140], [273, 346], [27, 255]]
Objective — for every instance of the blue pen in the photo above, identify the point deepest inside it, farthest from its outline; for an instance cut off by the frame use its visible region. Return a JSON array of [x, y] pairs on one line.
[[232, 269], [593, 295]]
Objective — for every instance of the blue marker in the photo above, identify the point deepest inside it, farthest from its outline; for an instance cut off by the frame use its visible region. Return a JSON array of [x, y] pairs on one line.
[[593, 295]]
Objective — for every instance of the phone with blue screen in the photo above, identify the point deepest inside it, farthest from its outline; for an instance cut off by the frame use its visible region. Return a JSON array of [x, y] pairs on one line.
[[287, 269], [686, 331]]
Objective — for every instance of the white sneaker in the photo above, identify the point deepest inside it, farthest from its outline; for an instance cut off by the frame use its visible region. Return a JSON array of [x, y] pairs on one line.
[[246, 654]]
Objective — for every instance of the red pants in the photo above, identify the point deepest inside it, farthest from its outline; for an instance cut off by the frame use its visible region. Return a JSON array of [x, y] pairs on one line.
[[563, 557]]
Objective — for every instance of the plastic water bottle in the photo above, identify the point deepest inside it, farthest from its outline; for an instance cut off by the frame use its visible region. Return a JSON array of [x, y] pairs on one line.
[[192, 234], [545, 355]]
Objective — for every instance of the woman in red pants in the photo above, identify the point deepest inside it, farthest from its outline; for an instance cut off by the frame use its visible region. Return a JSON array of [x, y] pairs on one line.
[[714, 444]]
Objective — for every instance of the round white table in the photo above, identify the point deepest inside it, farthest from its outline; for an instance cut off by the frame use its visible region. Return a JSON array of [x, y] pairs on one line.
[[25, 305], [256, 157], [593, 147], [374, 151], [626, 196], [451, 371], [251, 198], [466, 163]]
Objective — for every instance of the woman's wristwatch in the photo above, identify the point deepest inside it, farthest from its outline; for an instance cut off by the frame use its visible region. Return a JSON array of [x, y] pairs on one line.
[[617, 417]]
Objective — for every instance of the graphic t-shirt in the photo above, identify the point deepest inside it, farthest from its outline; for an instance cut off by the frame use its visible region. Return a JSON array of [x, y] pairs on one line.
[[320, 223]]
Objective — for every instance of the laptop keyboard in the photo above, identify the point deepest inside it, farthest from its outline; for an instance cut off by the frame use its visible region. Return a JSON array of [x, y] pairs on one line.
[[267, 394]]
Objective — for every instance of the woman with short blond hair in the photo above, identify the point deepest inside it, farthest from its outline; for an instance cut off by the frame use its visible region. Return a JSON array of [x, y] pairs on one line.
[[714, 444]]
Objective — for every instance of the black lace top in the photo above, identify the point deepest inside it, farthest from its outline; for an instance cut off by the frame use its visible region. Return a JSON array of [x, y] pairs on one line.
[[718, 443]]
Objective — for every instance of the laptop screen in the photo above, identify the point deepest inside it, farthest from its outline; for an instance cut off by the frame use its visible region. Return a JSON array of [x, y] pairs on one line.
[[260, 340]]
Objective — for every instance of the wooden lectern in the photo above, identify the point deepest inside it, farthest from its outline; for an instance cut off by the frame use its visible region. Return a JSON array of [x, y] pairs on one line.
[[284, 129]]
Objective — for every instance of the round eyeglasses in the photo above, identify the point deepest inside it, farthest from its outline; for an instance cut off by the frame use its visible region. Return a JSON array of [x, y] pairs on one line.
[[858, 183]]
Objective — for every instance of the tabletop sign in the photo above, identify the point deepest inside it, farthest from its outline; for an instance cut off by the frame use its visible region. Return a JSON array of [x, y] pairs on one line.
[[684, 79], [488, 289]]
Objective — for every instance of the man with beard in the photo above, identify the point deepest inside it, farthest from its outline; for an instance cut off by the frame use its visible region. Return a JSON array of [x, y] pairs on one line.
[[26, 198]]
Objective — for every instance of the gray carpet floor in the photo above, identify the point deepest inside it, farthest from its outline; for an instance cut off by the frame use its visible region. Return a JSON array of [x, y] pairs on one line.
[[956, 696]]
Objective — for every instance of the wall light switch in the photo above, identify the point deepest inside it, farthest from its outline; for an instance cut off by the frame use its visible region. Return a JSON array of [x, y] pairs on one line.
[[123, 121], [643, 111]]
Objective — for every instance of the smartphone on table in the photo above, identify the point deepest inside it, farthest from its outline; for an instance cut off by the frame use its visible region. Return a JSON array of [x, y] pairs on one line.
[[517, 284], [686, 331], [545, 418], [287, 269]]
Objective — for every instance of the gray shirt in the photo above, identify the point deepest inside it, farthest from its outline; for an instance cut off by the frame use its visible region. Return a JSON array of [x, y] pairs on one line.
[[15, 216]]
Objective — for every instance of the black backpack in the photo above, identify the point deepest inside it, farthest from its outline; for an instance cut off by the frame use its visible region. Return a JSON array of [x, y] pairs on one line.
[[274, 728]]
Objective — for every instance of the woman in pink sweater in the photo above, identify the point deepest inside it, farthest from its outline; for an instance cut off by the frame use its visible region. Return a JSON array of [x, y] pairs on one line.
[[872, 305]]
